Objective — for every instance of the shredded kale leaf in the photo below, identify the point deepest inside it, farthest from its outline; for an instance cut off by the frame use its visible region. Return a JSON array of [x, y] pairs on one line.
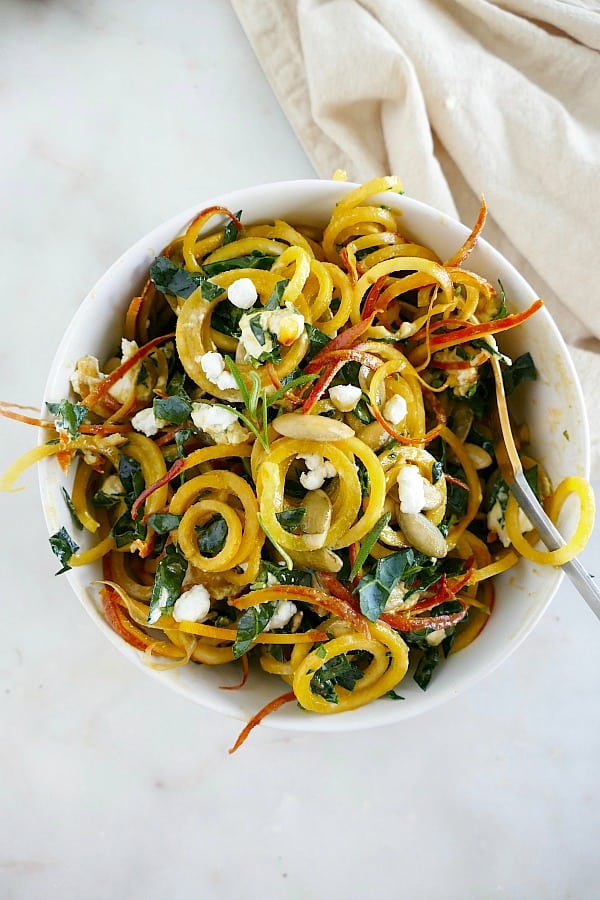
[[274, 300], [132, 478], [163, 523], [68, 416], [106, 501], [212, 535], [252, 622], [63, 546], [169, 278], [375, 588], [523, 369], [126, 530], [226, 318], [167, 583], [230, 234], [71, 508], [317, 340], [175, 409], [338, 670], [282, 574], [290, 519], [254, 260]]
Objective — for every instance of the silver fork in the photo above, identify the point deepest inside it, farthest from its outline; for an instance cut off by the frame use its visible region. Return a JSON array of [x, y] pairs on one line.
[[512, 472]]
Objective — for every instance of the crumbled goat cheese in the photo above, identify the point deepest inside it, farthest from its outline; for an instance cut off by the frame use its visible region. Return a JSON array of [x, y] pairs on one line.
[[122, 389], [87, 375], [220, 424], [242, 293], [462, 380], [495, 522], [435, 638], [146, 422], [411, 491], [193, 605], [213, 366], [284, 611], [395, 410], [112, 485], [285, 325], [318, 470], [396, 601], [345, 396]]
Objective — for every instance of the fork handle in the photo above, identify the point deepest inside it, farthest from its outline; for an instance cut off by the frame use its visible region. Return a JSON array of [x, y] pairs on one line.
[[553, 539]]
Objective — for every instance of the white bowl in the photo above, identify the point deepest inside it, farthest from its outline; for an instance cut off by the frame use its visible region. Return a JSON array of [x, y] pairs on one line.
[[554, 406]]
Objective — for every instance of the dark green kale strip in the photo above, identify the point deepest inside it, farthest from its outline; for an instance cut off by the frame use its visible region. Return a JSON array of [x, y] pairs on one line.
[[254, 260], [63, 546], [212, 535], [336, 671], [167, 583], [68, 416], [169, 278], [252, 622]]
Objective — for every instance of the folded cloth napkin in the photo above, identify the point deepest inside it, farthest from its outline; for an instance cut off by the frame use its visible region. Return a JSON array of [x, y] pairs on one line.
[[460, 98]]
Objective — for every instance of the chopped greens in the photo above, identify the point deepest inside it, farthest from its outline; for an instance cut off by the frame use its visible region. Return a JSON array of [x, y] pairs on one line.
[[163, 523], [375, 588], [63, 546], [71, 508], [426, 666], [252, 622], [274, 300], [106, 501], [523, 369], [226, 318], [230, 233], [317, 340], [338, 670], [254, 260], [212, 535], [281, 574], [175, 409], [169, 278], [290, 519], [68, 416], [167, 583], [132, 478]]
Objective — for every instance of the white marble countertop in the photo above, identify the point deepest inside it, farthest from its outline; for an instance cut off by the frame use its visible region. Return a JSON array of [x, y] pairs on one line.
[[113, 117]]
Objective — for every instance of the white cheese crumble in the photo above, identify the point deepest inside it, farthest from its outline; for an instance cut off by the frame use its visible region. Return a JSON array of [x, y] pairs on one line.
[[285, 325], [192, 605], [213, 366], [395, 410], [495, 522], [87, 375], [242, 293], [112, 485], [284, 611], [318, 470], [411, 490], [220, 424], [435, 638], [396, 601], [122, 389], [345, 396], [147, 423]]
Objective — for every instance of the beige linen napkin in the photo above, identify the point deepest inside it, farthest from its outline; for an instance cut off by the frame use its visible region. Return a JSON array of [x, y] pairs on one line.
[[461, 98]]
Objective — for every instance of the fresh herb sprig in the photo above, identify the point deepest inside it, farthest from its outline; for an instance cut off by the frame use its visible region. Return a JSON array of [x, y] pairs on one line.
[[257, 400]]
